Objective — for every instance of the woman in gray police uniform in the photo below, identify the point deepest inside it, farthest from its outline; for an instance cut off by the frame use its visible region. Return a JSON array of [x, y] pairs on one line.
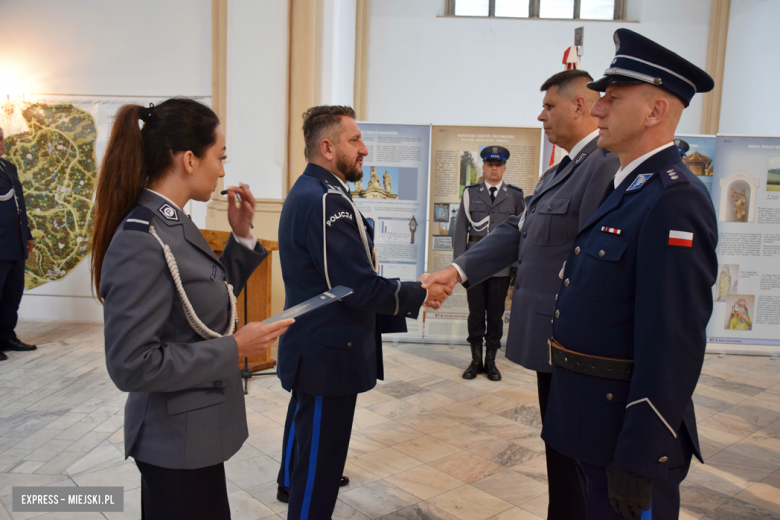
[[169, 305]]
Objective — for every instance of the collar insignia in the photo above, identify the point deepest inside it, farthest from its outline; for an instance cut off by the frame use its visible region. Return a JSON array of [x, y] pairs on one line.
[[168, 212], [640, 181]]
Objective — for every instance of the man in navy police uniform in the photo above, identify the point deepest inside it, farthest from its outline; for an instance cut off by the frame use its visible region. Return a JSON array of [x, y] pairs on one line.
[[630, 317], [483, 208], [331, 355], [16, 243]]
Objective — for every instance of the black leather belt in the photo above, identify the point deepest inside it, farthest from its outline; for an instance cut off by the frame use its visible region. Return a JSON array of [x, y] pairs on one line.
[[598, 366], [475, 239]]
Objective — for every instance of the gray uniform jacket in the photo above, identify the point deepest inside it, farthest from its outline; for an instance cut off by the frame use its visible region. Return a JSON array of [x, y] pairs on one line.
[[186, 405], [560, 208], [509, 202]]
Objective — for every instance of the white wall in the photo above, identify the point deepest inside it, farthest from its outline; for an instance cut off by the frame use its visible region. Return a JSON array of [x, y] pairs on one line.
[[338, 52], [750, 84], [257, 95], [424, 68], [98, 49]]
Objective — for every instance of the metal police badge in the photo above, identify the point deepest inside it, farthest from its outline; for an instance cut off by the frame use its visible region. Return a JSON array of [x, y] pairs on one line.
[[168, 212]]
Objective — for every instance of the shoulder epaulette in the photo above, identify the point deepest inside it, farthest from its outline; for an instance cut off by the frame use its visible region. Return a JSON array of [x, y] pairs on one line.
[[139, 219], [672, 175], [472, 186], [518, 188]]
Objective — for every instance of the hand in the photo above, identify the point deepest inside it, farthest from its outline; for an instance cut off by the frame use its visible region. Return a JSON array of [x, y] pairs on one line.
[[240, 217], [254, 338], [448, 276], [629, 493], [437, 293], [30, 246]]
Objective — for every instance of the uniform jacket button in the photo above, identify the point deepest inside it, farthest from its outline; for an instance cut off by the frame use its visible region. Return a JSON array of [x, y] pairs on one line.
[[557, 314], [566, 282], [549, 208], [609, 396], [663, 459], [525, 234], [602, 253], [577, 250], [349, 344]]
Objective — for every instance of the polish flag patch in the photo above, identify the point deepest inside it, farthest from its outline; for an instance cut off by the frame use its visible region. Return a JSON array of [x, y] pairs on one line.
[[680, 238]]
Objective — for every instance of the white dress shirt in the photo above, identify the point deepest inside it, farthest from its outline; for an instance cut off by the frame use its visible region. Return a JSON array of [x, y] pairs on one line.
[[622, 173]]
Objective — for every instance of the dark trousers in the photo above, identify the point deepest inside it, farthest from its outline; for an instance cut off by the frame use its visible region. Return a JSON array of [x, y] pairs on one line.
[[487, 299], [566, 498], [11, 290], [183, 494], [288, 446], [666, 493], [314, 452]]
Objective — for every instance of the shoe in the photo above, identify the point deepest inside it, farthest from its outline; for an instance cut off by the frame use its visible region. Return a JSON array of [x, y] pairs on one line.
[[283, 493], [476, 362], [3, 357], [16, 344], [491, 371]]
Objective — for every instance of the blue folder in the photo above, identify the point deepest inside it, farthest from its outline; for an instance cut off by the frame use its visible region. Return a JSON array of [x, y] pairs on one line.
[[311, 304]]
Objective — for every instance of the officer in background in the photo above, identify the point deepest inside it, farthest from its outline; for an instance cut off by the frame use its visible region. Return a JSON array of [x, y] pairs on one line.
[[540, 240], [483, 208], [630, 317], [333, 354], [16, 243]]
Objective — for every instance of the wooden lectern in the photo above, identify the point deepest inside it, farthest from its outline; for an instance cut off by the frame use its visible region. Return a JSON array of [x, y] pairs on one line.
[[257, 292]]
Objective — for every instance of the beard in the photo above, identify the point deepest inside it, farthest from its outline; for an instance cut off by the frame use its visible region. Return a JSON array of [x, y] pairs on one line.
[[351, 171]]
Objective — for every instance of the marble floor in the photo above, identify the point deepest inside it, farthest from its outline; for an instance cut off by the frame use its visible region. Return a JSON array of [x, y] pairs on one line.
[[426, 443]]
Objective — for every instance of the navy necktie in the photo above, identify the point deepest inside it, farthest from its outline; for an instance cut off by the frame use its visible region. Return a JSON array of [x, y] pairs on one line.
[[563, 164]]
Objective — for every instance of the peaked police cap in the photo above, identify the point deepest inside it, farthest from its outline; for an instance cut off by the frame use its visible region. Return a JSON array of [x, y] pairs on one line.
[[640, 60]]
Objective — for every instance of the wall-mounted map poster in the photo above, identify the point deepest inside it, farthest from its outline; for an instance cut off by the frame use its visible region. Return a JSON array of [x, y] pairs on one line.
[[53, 148]]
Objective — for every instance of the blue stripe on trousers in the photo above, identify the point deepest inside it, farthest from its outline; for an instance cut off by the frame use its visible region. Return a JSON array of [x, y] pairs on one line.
[[290, 442], [315, 442]]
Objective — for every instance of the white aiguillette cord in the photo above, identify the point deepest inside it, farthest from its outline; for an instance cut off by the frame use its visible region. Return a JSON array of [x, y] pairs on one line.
[[197, 325]]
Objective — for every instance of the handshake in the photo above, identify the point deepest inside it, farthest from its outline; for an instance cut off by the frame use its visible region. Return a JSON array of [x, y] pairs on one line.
[[439, 285]]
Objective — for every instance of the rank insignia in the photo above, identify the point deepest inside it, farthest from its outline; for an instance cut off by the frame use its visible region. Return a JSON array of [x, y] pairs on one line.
[[611, 230], [640, 181], [168, 212], [680, 238]]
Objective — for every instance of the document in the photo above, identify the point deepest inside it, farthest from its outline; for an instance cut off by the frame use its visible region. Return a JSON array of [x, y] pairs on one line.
[[311, 304]]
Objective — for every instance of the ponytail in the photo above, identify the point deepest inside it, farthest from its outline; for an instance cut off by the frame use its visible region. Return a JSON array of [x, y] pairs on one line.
[[122, 178], [135, 157]]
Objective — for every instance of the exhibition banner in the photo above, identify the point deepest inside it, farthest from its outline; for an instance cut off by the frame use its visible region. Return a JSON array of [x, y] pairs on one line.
[[746, 195], [700, 157], [455, 164], [393, 196]]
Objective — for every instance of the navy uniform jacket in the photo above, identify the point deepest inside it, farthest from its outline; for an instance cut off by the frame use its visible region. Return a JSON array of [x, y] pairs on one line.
[[633, 295], [558, 210], [14, 227], [185, 407], [509, 202], [336, 350]]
